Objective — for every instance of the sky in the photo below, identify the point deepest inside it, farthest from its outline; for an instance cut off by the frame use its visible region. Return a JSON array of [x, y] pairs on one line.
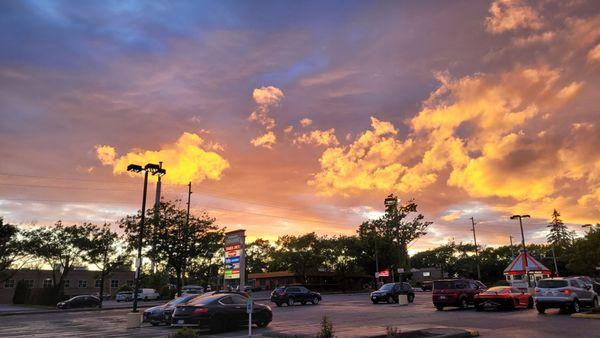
[[292, 117]]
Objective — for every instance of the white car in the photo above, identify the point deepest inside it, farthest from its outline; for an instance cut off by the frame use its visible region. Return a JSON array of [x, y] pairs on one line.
[[124, 296], [191, 290], [147, 294]]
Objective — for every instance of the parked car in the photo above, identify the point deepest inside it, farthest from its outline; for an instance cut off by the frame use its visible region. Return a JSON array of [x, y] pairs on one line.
[[147, 294], [589, 281], [79, 302], [162, 314], [124, 296], [389, 293], [294, 294], [567, 294], [191, 290], [505, 297], [427, 286], [455, 292], [219, 312], [245, 288]]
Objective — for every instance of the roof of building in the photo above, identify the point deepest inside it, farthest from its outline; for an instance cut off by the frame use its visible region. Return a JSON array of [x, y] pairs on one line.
[[524, 259]]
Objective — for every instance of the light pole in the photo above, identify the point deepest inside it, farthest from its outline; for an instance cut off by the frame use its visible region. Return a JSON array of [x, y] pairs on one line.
[[154, 169], [520, 217], [476, 250]]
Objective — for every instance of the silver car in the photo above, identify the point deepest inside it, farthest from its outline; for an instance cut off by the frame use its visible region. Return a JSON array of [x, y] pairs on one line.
[[567, 294]]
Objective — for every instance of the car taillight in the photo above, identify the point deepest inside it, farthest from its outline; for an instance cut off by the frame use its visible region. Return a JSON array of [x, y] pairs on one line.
[[536, 290], [200, 310], [566, 292]]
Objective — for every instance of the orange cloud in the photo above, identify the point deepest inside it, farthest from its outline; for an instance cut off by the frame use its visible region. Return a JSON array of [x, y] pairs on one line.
[[508, 15], [265, 99], [318, 137], [305, 122], [594, 54], [267, 140], [186, 160]]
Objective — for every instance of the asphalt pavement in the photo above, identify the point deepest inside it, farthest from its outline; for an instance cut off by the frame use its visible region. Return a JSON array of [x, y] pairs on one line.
[[352, 315]]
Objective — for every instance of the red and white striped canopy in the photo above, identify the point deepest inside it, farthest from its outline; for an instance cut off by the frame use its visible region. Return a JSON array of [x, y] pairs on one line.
[[517, 266]]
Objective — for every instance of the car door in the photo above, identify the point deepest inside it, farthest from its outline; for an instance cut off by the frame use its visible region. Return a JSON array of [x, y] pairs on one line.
[[582, 291], [239, 305], [228, 310], [293, 292]]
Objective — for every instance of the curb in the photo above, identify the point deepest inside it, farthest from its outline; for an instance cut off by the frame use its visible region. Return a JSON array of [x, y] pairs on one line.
[[433, 332], [586, 315], [39, 312]]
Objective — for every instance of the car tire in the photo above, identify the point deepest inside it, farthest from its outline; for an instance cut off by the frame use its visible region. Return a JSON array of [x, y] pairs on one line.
[[263, 319], [463, 304], [303, 303], [154, 323], [530, 303], [278, 304], [478, 307], [540, 309], [439, 308], [315, 300], [375, 301], [410, 298], [290, 301], [595, 302], [575, 308], [262, 324]]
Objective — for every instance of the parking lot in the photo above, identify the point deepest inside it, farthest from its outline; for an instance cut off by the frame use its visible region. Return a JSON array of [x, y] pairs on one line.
[[351, 314]]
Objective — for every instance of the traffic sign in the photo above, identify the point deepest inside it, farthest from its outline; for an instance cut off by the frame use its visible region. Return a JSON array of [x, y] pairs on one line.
[[249, 306]]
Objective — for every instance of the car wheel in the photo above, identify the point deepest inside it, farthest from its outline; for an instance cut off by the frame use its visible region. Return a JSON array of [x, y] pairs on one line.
[[439, 308], [478, 307], [410, 298], [278, 304], [290, 301], [540, 309], [315, 300], [575, 306], [463, 303], [263, 319], [530, 303], [262, 324], [375, 301], [595, 302], [154, 323]]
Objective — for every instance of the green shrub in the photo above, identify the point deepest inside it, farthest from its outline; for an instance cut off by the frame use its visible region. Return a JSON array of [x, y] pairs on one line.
[[326, 329], [43, 296], [166, 292], [21, 293], [185, 332], [124, 288]]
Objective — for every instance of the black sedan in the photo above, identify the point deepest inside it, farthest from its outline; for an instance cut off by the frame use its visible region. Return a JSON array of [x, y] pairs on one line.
[[220, 312], [389, 293], [162, 313], [294, 294], [79, 302]]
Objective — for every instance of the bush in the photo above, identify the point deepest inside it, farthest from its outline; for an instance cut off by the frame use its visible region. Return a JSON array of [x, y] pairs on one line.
[[326, 329], [167, 292], [43, 296], [21, 293], [185, 332], [124, 288]]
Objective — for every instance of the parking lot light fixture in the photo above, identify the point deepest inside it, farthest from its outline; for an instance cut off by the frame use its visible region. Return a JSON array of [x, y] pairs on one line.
[[154, 169]]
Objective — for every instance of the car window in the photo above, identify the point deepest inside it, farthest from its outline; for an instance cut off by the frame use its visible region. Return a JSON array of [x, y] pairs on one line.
[[443, 284], [293, 290], [238, 299], [460, 285], [226, 300], [304, 290], [386, 287], [576, 283], [552, 283]]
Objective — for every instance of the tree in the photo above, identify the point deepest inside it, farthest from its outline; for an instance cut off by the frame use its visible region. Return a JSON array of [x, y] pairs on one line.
[[11, 250], [106, 253], [402, 231], [258, 255], [559, 235], [176, 238], [60, 247], [300, 254], [584, 256]]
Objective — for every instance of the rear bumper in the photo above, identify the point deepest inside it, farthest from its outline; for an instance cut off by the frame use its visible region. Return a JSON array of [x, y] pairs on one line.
[[190, 321], [553, 302], [445, 300]]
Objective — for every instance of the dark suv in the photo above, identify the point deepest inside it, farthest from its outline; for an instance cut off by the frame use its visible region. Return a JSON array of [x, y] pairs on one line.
[[455, 292], [389, 293], [294, 294]]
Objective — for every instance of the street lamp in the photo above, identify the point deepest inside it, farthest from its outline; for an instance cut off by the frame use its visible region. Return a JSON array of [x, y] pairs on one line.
[[520, 217], [154, 169]]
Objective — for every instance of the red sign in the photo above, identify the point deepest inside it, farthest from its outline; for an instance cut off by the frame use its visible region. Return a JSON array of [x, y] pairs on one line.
[[384, 273]]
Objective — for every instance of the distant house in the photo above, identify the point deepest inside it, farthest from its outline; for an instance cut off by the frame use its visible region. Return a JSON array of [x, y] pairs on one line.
[[78, 282]]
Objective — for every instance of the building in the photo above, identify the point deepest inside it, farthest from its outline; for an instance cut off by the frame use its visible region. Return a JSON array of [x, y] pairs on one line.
[[78, 282], [318, 280]]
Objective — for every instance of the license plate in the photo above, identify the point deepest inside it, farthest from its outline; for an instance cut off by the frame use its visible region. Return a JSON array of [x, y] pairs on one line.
[[442, 297], [181, 321]]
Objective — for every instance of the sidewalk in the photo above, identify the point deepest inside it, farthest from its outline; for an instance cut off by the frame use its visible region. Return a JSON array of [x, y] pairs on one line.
[[13, 310]]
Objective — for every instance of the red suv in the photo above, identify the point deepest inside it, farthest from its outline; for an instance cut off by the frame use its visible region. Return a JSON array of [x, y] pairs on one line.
[[455, 292]]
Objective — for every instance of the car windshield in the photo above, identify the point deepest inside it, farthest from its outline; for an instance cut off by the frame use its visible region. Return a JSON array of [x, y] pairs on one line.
[[552, 283], [443, 284], [178, 301], [386, 287], [200, 301]]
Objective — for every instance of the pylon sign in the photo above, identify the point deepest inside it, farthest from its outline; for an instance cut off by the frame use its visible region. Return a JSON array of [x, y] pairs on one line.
[[235, 257]]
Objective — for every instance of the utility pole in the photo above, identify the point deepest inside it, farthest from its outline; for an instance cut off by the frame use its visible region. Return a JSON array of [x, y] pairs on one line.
[[476, 250], [520, 217], [555, 265], [184, 238], [512, 253], [156, 220]]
